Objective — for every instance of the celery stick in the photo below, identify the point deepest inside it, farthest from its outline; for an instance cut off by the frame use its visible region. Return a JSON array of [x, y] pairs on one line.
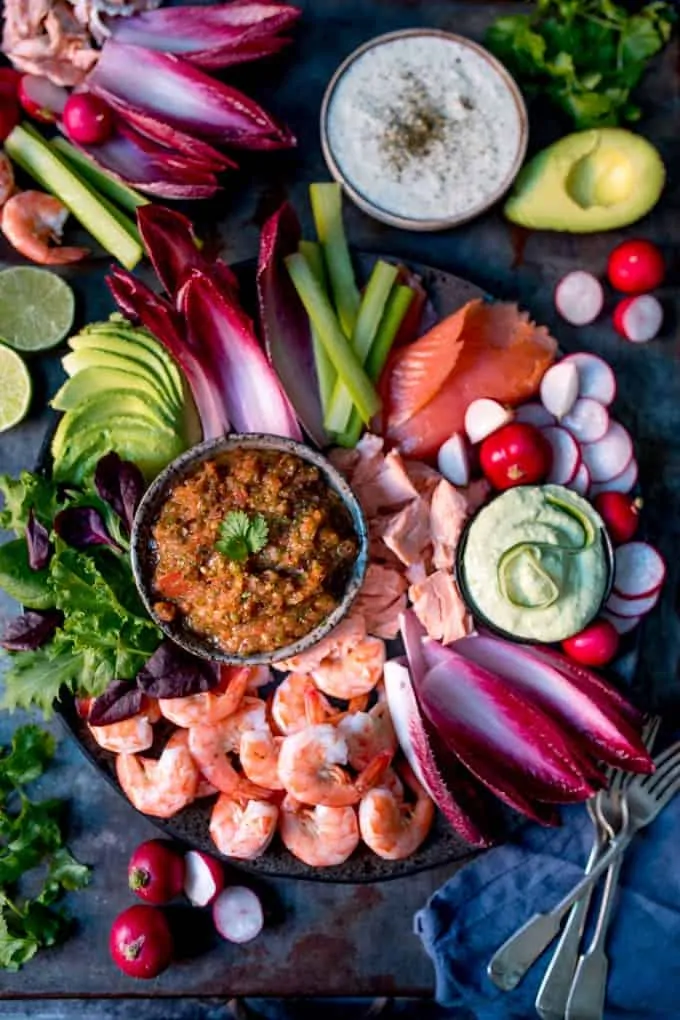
[[326, 202], [333, 339], [371, 311], [398, 304], [325, 373], [103, 182], [33, 154]]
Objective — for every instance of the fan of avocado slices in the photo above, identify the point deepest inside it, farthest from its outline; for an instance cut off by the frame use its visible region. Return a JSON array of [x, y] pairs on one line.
[[124, 393]]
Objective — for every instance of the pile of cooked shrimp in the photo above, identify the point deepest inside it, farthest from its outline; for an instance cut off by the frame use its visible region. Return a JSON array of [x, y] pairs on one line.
[[290, 762]]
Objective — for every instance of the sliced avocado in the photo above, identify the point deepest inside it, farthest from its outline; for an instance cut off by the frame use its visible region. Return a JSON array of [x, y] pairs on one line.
[[150, 450], [96, 381], [588, 181], [104, 409], [86, 356]]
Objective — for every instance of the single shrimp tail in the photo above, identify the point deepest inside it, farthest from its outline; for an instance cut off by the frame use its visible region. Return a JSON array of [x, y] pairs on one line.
[[374, 771]]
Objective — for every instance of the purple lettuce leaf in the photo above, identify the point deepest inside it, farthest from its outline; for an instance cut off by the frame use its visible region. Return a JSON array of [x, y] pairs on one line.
[[121, 700], [173, 673], [83, 526], [38, 543], [120, 483], [31, 630]]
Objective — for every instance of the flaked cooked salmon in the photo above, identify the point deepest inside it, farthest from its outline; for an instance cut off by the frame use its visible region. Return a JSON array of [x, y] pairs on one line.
[[440, 608]]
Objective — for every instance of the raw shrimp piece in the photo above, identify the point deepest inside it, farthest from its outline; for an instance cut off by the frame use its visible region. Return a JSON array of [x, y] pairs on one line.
[[320, 836], [259, 754], [160, 788], [290, 704], [242, 828], [392, 827], [368, 734], [210, 706], [438, 605], [6, 178], [30, 220], [212, 745], [127, 737], [311, 768], [354, 673]]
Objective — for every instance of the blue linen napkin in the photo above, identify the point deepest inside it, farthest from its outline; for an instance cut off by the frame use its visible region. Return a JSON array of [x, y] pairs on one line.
[[466, 920]]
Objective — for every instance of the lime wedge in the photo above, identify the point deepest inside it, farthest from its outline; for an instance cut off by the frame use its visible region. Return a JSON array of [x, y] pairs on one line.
[[15, 392], [36, 308]]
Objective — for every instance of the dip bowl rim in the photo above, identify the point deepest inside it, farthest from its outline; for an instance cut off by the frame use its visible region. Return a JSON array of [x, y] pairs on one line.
[[183, 467], [383, 215], [497, 629]]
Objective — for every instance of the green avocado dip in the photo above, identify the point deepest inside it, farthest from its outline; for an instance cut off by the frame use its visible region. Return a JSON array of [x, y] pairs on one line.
[[535, 563]]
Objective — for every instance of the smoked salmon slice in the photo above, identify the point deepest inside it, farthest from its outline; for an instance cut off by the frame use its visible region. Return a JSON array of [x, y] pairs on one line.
[[482, 350]]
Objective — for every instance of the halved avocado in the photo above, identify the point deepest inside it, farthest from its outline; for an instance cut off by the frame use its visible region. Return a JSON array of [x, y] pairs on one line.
[[86, 357], [119, 406], [92, 382], [149, 450], [118, 328], [588, 181]]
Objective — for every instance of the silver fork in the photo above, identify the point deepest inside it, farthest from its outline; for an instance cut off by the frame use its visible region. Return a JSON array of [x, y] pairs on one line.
[[605, 811], [641, 803]]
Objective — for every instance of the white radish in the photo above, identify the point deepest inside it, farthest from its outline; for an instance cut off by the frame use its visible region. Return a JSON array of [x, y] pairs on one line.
[[203, 878], [534, 414], [579, 297], [581, 481], [609, 456], [588, 420], [453, 460], [639, 570], [566, 456], [559, 388], [238, 914], [622, 624], [596, 379], [483, 417], [639, 319], [620, 606], [624, 482]]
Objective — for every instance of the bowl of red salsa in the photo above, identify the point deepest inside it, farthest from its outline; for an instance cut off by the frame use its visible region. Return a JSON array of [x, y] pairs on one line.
[[249, 549]]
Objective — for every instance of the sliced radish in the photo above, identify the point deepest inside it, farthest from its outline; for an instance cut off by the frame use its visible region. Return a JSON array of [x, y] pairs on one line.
[[581, 481], [534, 414], [483, 417], [619, 483], [238, 914], [453, 460], [639, 570], [588, 420], [638, 319], [595, 377], [41, 98], [203, 878], [609, 456], [559, 388], [566, 455], [622, 624], [620, 606], [579, 297]]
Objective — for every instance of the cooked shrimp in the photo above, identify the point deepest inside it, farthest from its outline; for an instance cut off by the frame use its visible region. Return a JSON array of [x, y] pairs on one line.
[[30, 220], [6, 178], [392, 827], [242, 828], [356, 672], [311, 768], [259, 754], [210, 706], [130, 735], [320, 836], [259, 676], [204, 788], [367, 734], [212, 745], [290, 703], [160, 788]]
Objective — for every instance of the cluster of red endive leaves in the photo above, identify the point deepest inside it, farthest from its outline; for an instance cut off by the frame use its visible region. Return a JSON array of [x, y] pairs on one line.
[[483, 716], [200, 320]]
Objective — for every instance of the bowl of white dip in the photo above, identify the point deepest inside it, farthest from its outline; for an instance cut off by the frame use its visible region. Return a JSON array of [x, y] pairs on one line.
[[424, 129]]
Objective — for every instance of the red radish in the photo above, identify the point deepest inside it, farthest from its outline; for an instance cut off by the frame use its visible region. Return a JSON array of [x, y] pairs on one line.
[[581, 481], [140, 942], [638, 319], [517, 454], [636, 266], [453, 460], [609, 456], [620, 513], [559, 388], [238, 915], [535, 414], [622, 624], [203, 878], [639, 570], [579, 297], [587, 421], [87, 119], [41, 99], [595, 377], [10, 116], [9, 83], [483, 417], [156, 871], [566, 456], [596, 645], [621, 606]]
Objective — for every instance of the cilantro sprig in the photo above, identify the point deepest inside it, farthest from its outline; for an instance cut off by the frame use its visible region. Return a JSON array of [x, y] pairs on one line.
[[241, 535]]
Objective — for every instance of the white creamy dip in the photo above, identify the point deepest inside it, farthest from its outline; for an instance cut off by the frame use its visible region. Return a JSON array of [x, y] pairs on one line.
[[424, 127]]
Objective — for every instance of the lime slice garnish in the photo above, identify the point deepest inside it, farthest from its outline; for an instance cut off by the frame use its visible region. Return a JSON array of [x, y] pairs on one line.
[[15, 391], [36, 308]]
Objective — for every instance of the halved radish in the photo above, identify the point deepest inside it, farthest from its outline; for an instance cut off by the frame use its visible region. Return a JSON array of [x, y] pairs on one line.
[[453, 460], [622, 624], [581, 481], [238, 914], [534, 414], [638, 319], [203, 878], [639, 570], [619, 483], [595, 377], [609, 456], [579, 297], [483, 417], [566, 455], [588, 420], [559, 388], [621, 606]]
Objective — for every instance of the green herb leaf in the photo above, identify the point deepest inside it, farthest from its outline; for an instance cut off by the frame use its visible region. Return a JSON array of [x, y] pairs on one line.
[[35, 679], [32, 750], [23, 494], [241, 535], [15, 950]]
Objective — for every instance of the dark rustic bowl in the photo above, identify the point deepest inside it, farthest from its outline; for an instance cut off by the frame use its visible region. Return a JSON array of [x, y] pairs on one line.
[[142, 548]]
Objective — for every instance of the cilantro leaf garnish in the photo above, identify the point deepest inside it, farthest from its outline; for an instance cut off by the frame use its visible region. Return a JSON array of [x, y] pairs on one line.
[[241, 535]]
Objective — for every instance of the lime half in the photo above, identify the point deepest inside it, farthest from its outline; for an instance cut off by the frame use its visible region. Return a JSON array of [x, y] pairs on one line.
[[36, 308], [15, 391]]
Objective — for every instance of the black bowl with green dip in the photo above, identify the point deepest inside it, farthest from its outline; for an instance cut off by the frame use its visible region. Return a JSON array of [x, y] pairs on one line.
[[535, 564]]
